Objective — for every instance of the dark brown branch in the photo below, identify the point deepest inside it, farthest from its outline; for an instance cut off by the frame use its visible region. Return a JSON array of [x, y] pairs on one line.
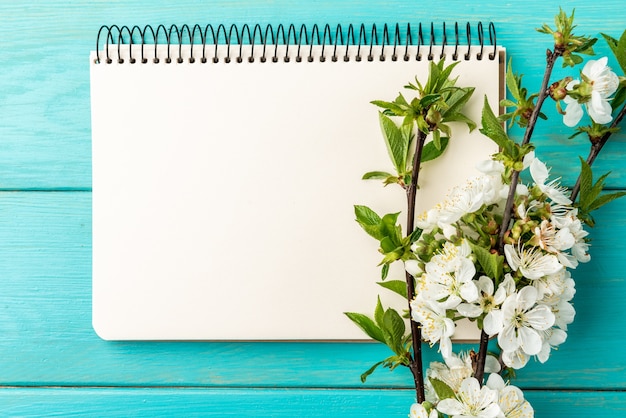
[[551, 57], [416, 365]]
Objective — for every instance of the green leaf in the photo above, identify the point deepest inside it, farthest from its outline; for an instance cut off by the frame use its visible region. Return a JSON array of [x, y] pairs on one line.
[[492, 264], [369, 371], [604, 199], [459, 117], [396, 286], [379, 312], [397, 144], [457, 100], [429, 99], [511, 83], [369, 221], [376, 175], [586, 184], [618, 47], [442, 390], [367, 325], [384, 271], [393, 330], [392, 108], [619, 98], [391, 230], [492, 128], [437, 139]]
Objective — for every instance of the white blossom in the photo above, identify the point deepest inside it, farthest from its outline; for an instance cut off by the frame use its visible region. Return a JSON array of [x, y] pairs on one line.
[[540, 173], [603, 83], [436, 326], [455, 370], [488, 300], [523, 320], [418, 411], [510, 399], [472, 402], [531, 262], [448, 277]]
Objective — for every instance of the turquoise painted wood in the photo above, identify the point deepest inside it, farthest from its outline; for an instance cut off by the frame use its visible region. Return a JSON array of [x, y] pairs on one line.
[[45, 238], [286, 403]]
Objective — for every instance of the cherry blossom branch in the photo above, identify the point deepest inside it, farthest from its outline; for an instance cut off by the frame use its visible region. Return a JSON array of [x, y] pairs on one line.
[[551, 57], [415, 362], [596, 147]]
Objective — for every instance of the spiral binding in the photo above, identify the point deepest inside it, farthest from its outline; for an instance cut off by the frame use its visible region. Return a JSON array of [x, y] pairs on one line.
[[236, 38]]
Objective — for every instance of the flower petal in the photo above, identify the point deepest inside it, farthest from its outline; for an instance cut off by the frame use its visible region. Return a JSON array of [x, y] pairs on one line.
[[540, 318], [573, 114], [530, 340]]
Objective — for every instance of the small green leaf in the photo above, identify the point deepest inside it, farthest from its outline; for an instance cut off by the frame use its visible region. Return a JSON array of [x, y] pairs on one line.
[[459, 117], [586, 184], [369, 221], [618, 48], [429, 99], [369, 371], [437, 139], [379, 312], [430, 151], [459, 97], [384, 271], [396, 286], [492, 128], [492, 264], [393, 330], [397, 144], [376, 175], [367, 325], [511, 83], [604, 199], [442, 390]]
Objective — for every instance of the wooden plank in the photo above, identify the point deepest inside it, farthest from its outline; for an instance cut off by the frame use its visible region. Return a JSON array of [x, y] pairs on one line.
[[47, 337], [108, 402], [45, 127]]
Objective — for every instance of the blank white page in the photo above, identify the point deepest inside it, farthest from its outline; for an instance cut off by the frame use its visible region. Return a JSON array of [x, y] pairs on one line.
[[223, 193]]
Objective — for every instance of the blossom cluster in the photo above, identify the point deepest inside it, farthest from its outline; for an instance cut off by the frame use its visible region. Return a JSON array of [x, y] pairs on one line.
[[494, 400], [527, 305]]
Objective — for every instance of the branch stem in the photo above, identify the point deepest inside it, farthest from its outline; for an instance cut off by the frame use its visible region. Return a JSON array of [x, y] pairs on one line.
[[416, 365], [551, 57]]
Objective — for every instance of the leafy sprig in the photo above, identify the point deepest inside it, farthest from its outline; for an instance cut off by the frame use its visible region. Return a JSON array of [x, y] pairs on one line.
[[570, 46]]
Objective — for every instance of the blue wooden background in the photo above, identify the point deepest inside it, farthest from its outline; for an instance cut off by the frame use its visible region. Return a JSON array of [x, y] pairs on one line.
[[52, 363]]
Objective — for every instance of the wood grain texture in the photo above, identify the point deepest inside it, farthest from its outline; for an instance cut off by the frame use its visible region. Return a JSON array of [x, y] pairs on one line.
[[45, 82], [47, 337], [45, 237], [107, 402]]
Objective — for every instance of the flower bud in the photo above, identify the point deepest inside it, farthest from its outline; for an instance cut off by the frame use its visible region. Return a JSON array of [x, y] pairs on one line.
[[433, 117], [559, 40], [558, 89]]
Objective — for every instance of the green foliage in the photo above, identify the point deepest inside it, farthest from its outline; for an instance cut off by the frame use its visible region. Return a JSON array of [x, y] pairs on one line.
[[442, 390], [590, 198], [492, 264], [619, 48], [511, 154], [565, 43], [389, 234], [396, 286], [438, 103], [522, 105], [387, 327]]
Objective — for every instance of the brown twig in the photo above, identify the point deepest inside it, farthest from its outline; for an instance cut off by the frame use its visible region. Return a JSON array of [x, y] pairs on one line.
[[416, 365], [551, 57]]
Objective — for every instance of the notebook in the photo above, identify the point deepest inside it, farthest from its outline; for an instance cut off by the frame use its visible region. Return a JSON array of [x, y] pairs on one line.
[[226, 164]]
